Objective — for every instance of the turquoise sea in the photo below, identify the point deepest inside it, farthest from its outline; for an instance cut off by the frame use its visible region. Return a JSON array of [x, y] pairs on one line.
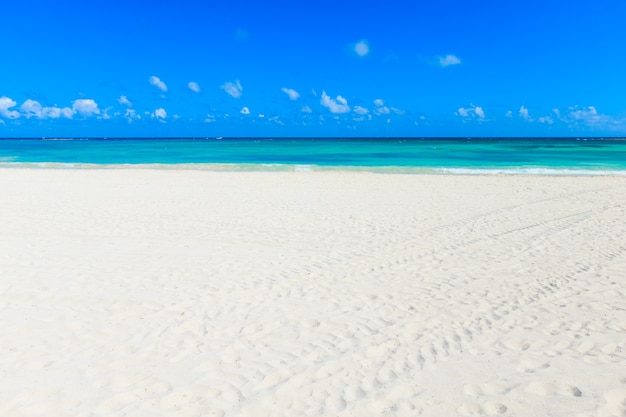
[[558, 156]]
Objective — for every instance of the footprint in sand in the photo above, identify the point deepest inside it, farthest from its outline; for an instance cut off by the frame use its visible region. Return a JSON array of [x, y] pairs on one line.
[[532, 364], [486, 409], [488, 388], [551, 388], [616, 402]]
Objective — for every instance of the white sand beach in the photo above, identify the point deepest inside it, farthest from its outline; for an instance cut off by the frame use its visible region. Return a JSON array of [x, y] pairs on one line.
[[137, 292]]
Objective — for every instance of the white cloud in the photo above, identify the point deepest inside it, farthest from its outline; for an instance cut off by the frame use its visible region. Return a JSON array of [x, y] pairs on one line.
[[587, 117], [337, 105], [306, 109], [32, 108], [546, 120], [523, 112], [397, 111], [156, 81], [210, 118], [234, 89], [5, 104], [590, 117], [67, 112], [587, 114], [509, 113], [293, 94], [193, 86], [380, 107], [471, 112], [123, 100], [245, 111], [276, 120], [131, 115], [360, 110], [362, 48], [105, 113], [261, 116], [86, 107], [159, 114], [446, 61]]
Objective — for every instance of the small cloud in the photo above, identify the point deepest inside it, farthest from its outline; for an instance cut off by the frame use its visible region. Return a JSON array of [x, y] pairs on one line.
[[360, 110], [509, 113], [446, 61], [123, 100], [245, 111], [210, 118], [193, 86], [587, 114], [546, 120], [32, 108], [5, 104], [293, 94], [362, 48], [337, 105], [159, 114], [306, 109], [233, 89], [277, 120], [156, 81], [523, 113], [131, 115], [471, 112], [85, 107], [105, 113], [261, 116], [398, 111], [380, 107]]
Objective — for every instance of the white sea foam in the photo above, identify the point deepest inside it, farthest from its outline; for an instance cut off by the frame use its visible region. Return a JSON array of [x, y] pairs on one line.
[[530, 171], [9, 162]]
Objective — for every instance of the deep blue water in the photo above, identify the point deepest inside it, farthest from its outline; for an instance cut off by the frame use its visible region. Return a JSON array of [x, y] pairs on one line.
[[526, 155]]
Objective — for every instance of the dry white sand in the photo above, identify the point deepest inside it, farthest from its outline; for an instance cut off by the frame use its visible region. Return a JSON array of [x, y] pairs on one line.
[[195, 293]]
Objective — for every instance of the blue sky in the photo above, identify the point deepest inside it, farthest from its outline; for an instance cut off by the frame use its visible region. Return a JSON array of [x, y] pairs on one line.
[[324, 68]]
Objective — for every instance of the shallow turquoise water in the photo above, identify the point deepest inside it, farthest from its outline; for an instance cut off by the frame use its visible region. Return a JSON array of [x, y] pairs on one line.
[[460, 155]]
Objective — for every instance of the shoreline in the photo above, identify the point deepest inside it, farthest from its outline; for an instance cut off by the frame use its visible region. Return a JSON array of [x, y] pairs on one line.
[[196, 292], [221, 167]]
